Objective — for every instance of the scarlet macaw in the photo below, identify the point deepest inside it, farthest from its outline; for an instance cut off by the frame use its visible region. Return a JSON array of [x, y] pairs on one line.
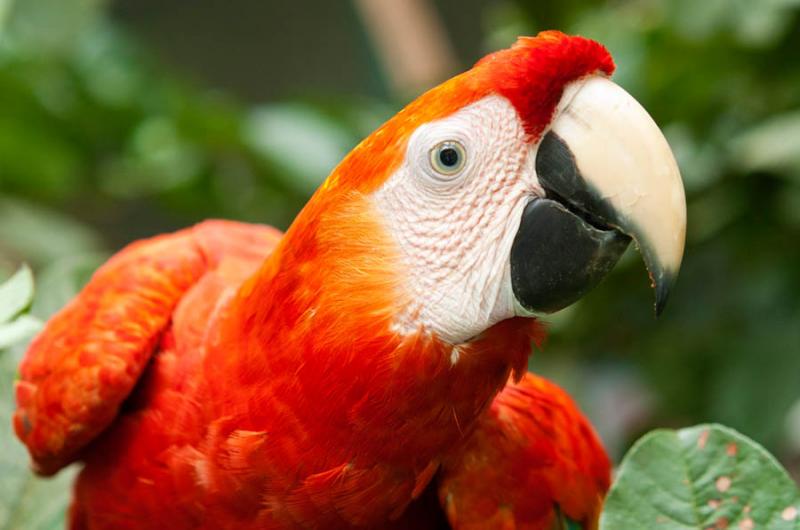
[[229, 376]]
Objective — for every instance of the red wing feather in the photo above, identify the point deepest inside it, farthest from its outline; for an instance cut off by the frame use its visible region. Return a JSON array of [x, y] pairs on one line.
[[532, 453], [82, 366]]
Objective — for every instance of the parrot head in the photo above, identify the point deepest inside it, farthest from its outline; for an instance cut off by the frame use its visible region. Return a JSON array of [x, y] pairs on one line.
[[513, 189], [396, 306]]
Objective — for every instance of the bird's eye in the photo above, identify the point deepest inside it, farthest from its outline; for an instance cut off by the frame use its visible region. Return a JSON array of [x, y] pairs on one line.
[[448, 158]]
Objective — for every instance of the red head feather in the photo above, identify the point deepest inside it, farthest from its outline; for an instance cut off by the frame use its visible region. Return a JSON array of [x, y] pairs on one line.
[[532, 74]]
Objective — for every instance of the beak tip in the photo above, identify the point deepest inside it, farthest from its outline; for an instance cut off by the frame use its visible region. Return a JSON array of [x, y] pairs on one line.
[[663, 286], [661, 303]]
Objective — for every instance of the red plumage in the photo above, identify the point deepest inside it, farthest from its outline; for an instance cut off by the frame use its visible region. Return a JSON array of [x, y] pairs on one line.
[[227, 377], [532, 449]]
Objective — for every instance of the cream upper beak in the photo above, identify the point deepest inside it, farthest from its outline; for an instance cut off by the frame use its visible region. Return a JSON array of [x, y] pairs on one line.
[[630, 178]]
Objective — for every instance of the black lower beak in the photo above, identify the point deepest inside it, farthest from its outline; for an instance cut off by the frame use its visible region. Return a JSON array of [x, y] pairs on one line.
[[557, 256], [566, 242]]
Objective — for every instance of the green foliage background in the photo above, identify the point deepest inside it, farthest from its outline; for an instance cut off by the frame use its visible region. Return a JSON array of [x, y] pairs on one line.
[[103, 141]]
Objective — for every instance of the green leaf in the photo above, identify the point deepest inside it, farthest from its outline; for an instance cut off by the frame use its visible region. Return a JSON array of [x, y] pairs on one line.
[[50, 26], [16, 294], [17, 331], [300, 140], [704, 477], [158, 160], [42, 234], [774, 144], [26, 502], [5, 8]]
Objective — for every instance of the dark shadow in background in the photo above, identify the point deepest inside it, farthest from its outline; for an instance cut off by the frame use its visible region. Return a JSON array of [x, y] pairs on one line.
[[267, 50]]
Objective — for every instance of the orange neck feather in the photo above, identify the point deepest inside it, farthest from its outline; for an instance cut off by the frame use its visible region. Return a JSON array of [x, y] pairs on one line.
[[321, 309]]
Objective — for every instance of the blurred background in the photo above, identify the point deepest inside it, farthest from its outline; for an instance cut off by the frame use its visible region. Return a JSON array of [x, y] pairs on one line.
[[123, 119]]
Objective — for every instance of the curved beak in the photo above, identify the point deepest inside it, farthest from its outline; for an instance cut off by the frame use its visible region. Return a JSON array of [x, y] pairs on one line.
[[608, 175]]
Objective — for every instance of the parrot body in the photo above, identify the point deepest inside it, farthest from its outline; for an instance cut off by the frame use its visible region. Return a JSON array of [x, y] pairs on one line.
[[153, 468], [346, 373]]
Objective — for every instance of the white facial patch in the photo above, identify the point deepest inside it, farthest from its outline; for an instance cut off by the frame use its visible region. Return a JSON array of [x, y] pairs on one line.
[[455, 229]]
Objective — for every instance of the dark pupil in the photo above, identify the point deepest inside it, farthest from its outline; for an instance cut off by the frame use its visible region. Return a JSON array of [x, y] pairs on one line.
[[448, 157]]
